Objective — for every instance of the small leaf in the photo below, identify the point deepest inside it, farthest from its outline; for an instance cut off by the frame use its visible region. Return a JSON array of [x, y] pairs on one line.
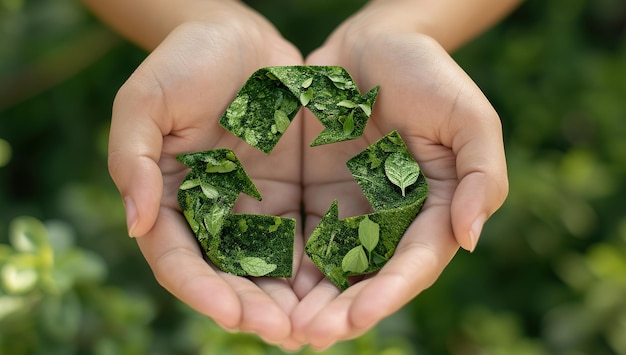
[[225, 166], [341, 82], [307, 83], [369, 233], [282, 121], [306, 97], [238, 107], [189, 184], [348, 124], [366, 109], [277, 223], [250, 137], [231, 156], [346, 103], [318, 106], [402, 170], [243, 225], [19, 274], [378, 259], [337, 79], [209, 191], [355, 260], [214, 219], [256, 266], [189, 216], [28, 235], [374, 160]]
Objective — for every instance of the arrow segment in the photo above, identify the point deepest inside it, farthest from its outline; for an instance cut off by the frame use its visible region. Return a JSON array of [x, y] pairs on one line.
[[240, 244], [272, 96], [335, 242]]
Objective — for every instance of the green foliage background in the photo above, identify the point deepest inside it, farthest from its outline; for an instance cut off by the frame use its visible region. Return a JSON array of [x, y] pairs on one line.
[[548, 277]]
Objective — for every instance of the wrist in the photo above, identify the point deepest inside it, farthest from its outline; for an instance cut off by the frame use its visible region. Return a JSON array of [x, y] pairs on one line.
[[148, 22], [452, 23]]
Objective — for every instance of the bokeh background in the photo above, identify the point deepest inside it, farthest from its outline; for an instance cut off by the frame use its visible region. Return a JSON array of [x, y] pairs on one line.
[[548, 276]]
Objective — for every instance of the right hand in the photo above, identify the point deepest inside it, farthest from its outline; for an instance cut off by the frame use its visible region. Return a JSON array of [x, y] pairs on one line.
[[171, 105]]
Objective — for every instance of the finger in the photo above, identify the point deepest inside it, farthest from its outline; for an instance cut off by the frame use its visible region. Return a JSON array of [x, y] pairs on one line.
[[315, 300], [232, 301], [281, 293], [178, 265], [260, 314], [134, 150], [307, 278], [481, 169]]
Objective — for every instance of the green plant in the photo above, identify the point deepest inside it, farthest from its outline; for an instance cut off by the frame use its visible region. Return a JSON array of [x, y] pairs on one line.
[[53, 297]]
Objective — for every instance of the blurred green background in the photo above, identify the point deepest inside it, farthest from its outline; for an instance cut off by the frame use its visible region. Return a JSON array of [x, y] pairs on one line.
[[548, 277]]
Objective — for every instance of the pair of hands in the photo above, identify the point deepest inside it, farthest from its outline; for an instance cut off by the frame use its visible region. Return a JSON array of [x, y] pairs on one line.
[[172, 104]]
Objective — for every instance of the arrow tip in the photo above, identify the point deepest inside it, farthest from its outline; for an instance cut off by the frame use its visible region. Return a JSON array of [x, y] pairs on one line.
[[350, 123], [221, 169]]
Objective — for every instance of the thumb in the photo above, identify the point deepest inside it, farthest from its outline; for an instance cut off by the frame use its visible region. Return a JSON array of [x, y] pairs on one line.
[[483, 182], [135, 144], [478, 195]]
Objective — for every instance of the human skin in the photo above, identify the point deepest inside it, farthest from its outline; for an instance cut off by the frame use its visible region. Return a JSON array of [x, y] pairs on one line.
[[450, 128], [171, 104], [201, 53]]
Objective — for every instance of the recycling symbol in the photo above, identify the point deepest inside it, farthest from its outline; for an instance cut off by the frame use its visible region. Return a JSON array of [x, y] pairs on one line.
[[261, 245]]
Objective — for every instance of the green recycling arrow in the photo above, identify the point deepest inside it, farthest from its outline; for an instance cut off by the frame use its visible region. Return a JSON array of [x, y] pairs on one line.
[[240, 244], [392, 183], [272, 96], [259, 245]]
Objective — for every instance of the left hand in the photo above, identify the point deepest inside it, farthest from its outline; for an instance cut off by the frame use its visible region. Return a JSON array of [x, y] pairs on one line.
[[455, 135]]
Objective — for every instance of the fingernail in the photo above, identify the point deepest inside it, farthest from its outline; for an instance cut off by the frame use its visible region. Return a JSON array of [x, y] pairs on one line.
[[475, 231], [131, 215]]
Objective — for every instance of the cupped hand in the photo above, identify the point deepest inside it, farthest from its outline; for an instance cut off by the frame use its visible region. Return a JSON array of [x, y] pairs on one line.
[[455, 135], [171, 105]]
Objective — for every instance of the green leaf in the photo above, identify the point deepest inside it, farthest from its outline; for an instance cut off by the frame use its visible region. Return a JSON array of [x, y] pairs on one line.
[[19, 274], [214, 219], [307, 83], [306, 97], [402, 170], [274, 227], [369, 233], [378, 259], [5, 152], [237, 109], [373, 160], [337, 78], [348, 124], [366, 109], [355, 260], [189, 184], [28, 235], [282, 121], [189, 216], [347, 104], [225, 166], [209, 191], [256, 266], [340, 82]]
